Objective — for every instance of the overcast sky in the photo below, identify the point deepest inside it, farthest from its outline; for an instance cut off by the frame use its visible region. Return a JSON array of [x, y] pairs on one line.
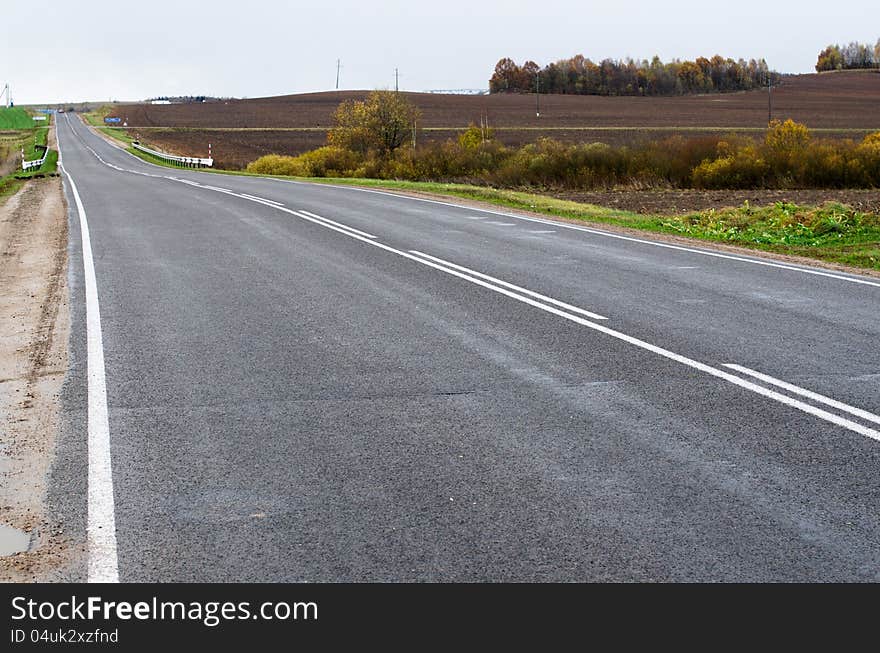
[[72, 51]]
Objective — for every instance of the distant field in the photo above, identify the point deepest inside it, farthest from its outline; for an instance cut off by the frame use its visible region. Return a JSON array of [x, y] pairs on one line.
[[841, 105], [15, 118], [838, 100]]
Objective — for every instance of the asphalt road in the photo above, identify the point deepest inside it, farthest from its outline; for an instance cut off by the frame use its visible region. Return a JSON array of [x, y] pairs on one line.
[[292, 400]]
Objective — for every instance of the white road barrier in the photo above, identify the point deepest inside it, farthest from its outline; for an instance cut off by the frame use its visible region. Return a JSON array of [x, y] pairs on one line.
[[185, 161], [37, 163]]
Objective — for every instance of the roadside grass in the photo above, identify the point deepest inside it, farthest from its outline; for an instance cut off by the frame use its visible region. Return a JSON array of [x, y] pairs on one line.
[[834, 233], [95, 118], [11, 145], [15, 118], [119, 133], [40, 136]]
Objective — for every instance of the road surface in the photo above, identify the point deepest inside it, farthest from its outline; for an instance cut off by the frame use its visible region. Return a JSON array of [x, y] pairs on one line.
[[311, 383]]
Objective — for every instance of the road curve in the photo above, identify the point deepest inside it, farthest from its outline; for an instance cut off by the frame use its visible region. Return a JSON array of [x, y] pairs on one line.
[[310, 383]]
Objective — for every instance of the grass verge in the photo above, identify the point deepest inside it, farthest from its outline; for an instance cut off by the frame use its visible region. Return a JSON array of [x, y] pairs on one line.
[[28, 140], [119, 133], [15, 118], [834, 233]]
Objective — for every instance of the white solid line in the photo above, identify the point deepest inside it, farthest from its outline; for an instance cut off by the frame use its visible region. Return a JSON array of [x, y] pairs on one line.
[[543, 298], [597, 232], [103, 566], [809, 394], [344, 226]]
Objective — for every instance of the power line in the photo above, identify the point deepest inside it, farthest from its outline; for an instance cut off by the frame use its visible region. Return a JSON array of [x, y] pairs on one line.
[[338, 66]]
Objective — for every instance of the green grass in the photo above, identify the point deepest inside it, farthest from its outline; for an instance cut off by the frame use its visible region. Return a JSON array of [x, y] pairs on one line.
[[15, 118], [834, 233], [95, 119], [11, 147], [119, 133], [40, 136], [20, 132]]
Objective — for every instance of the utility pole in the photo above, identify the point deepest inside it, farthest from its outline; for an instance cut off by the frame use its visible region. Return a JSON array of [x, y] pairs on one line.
[[338, 66], [396, 86], [537, 95], [769, 99]]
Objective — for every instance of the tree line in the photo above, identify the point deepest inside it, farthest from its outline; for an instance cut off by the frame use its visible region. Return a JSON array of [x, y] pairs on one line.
[[849, 57], [581, 76]]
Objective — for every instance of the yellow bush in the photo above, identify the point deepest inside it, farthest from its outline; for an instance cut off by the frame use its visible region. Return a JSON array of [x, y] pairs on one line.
[[743, 169], [787, 136], [324, 162], [275, 164]]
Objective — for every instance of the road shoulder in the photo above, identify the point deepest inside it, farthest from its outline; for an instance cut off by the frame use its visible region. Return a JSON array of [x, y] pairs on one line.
[[35, 324]]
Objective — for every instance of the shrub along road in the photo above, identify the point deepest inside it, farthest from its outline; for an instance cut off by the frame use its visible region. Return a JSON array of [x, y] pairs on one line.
[[306, 382]]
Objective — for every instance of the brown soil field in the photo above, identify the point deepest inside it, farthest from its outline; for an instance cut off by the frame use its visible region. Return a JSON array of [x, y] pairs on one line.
[[840, 104], [832, 100]]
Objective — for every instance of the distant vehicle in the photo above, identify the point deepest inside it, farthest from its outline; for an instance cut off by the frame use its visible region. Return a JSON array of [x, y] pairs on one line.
[[60, 110]]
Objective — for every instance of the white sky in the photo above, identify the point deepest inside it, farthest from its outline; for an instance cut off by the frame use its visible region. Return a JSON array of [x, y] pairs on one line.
[[62, 50]]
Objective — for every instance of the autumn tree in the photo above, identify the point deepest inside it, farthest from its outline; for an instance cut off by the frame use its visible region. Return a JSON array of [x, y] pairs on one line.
[[630, 77], [527, 76], [505, 77], [381, 123], [851, 56]]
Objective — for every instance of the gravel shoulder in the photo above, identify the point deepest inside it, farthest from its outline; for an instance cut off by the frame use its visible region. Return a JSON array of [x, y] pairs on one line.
[[34, 329]]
